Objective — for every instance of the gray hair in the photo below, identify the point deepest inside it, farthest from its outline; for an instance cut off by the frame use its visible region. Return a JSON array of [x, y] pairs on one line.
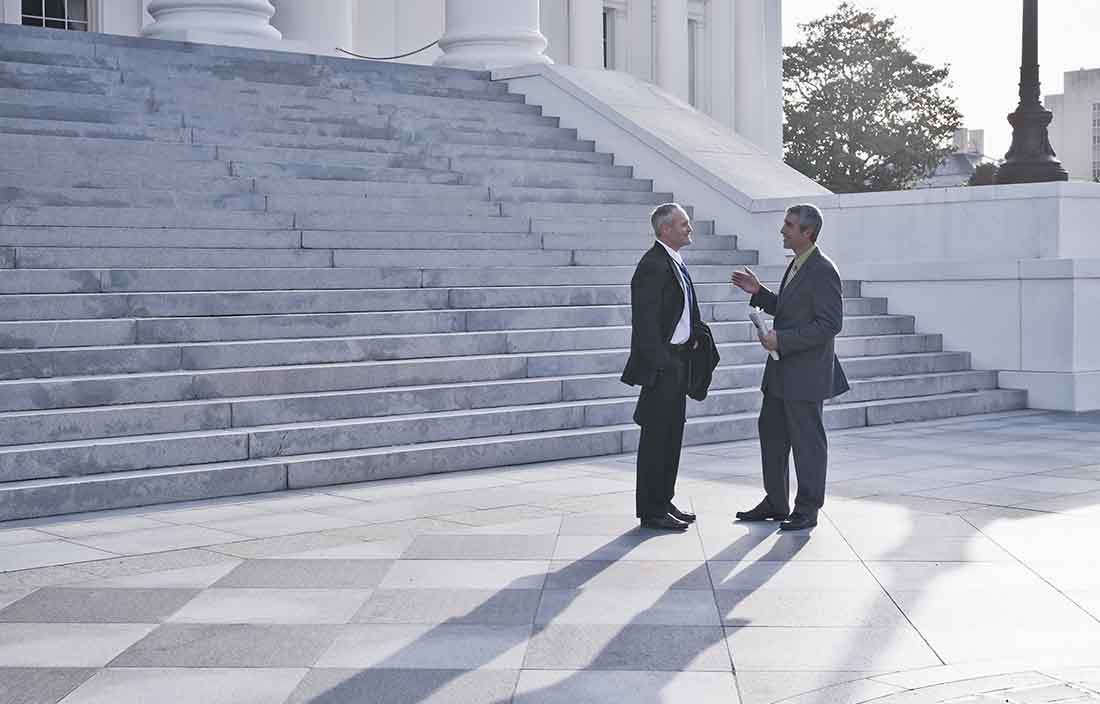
[[661, 215], [808, 217]]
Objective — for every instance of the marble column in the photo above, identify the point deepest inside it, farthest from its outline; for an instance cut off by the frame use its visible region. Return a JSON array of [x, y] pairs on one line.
[[234, 22], [487, 34], [758, 80], [586, 33], [672, 47], [11, 11], [319, 25]]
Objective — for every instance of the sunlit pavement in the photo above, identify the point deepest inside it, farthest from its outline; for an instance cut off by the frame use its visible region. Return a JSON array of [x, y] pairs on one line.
[[955, 561]]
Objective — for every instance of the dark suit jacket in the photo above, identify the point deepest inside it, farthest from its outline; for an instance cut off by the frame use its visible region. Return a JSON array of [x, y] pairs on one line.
[[809, 312], [656, 304]]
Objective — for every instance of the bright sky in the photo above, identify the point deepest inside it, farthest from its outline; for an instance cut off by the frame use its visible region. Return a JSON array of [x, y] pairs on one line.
[[980, 39]]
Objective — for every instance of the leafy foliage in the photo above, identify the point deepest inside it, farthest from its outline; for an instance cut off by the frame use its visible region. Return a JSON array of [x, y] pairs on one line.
[[983, 174], [863, 113]]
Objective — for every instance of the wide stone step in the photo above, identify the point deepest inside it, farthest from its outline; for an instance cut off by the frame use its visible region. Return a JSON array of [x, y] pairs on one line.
[[567, 348], [79, 494], [432, 258], [33, 150], [208, 177], [129, 489], [45, 127], [634, 221], [367, 189], [415, 355], [355, 222], [32, 55], [43, 394], [331, 157], [173, 258], [286, 83], [45, 98], [578, 195], [554, 144], [50, 216], [351, 120], [65, 425], [635, 243], [559, 144], [509, 303], [556, 309], [76, 333], [364, 207], [482, 170], [693, 257], [243, 99], [83, 280], [711, 429], [140, 238], [46, 110], [85, 333], [60, 78], [161, 304], [340, 174], [128, 198], [486, 241], [482, 158], [127, 453]]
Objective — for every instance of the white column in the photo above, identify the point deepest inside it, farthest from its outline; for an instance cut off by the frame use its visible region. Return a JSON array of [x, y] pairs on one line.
[[233, 22], [672, 47], [758, 64], [488, 34], [11, 11], [319, 25], [586, 33]]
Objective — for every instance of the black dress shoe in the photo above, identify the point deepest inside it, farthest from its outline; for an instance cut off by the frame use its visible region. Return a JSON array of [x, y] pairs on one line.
[[762, 512], [799, 521], [665, 522], [681, 515]]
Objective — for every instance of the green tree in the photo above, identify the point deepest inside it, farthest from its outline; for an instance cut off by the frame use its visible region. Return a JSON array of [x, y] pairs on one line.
[[863, 113], [983, 174]]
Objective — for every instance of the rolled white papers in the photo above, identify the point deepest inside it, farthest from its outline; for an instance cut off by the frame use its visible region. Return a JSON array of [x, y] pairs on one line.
[[761, 327]]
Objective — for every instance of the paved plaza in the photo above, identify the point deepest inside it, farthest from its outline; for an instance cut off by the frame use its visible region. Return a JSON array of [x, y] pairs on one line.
[[956, 561]]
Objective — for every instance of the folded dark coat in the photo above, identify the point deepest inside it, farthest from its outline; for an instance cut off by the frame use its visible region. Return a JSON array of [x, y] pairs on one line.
[[702, 361]]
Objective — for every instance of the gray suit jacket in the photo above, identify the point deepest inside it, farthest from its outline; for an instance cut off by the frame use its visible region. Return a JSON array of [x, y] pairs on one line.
[[809, 312]]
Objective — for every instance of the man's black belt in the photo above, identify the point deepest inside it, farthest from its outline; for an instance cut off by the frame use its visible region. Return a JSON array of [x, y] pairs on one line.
[[681, 348]]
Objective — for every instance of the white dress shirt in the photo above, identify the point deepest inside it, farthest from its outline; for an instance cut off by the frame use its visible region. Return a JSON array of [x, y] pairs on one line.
[[682, 333]]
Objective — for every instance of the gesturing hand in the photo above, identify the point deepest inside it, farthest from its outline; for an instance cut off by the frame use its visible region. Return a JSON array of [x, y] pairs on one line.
[[746, 281]]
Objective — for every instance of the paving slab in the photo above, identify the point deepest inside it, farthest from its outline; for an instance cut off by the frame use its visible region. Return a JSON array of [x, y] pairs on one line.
[[82, 605], [20, 685], [433, 647], [189, 686], [307, 574], [400, 686], [229, 645]]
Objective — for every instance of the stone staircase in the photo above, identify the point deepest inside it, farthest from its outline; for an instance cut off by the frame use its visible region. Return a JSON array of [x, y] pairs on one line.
[[228, 271]]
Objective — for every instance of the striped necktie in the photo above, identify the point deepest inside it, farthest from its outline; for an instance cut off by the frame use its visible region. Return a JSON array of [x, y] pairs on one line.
[[689, 286]]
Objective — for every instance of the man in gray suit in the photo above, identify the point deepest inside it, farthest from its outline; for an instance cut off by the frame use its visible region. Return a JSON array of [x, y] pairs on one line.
[[809, 312]]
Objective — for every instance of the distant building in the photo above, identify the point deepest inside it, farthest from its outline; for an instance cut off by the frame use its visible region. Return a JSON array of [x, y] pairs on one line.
[[957, 167], [1075, 132]]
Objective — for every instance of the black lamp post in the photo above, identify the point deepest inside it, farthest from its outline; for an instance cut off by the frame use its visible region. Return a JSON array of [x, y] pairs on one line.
[[1030, 159]]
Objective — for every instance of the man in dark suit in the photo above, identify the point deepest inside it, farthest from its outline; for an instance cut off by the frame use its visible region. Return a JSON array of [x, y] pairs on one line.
[[663, 308], [809, 313]]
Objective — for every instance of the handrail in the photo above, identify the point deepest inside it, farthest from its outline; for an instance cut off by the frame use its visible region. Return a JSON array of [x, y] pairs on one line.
[[387, 58]]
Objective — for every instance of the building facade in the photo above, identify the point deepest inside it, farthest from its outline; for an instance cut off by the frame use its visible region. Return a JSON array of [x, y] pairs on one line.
[[958, 166], [724, 57], [1075, 131]]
